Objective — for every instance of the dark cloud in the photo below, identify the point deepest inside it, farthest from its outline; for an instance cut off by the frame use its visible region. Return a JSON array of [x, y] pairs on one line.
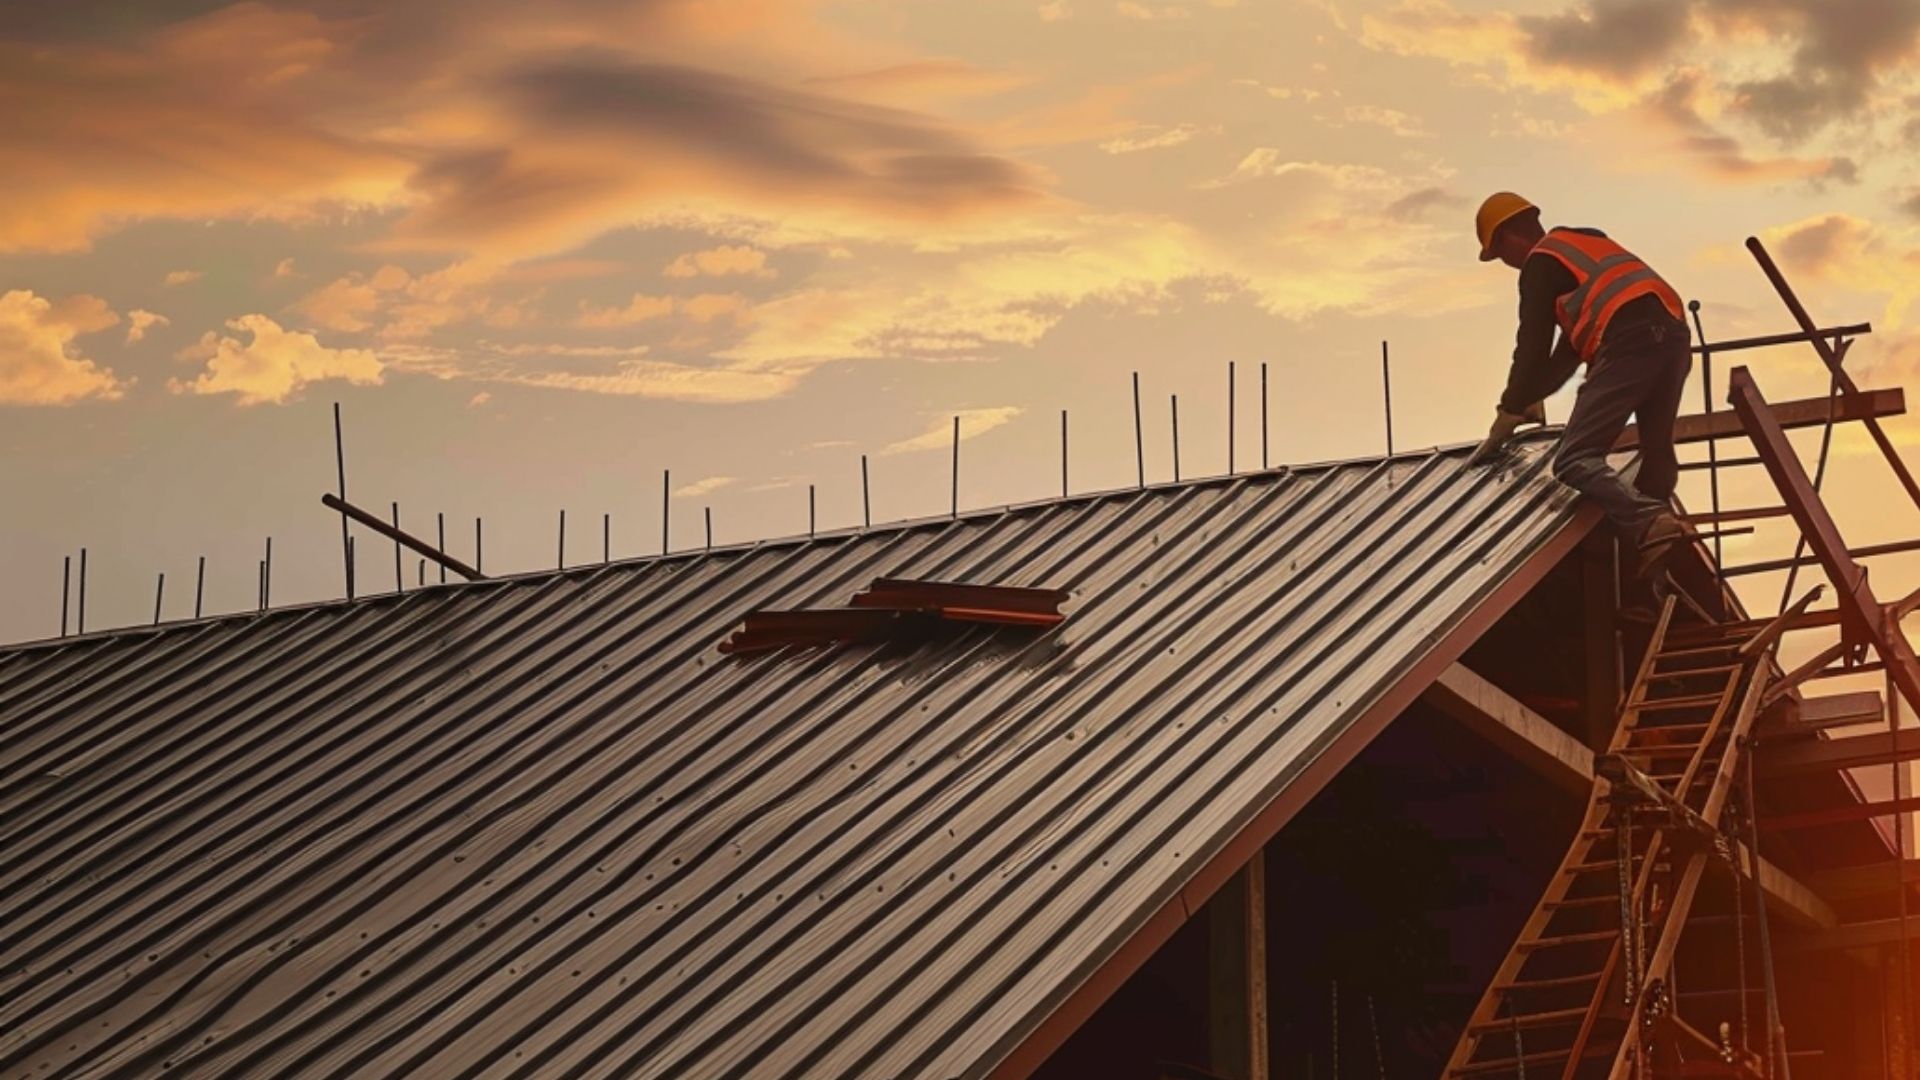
[[1418, 204], [1910, 203], [1722, 155], [1621, 38], [1841, 48], [1818, 245]]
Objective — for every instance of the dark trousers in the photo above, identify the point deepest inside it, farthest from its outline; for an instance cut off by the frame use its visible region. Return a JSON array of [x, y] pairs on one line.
[[1641, 372]]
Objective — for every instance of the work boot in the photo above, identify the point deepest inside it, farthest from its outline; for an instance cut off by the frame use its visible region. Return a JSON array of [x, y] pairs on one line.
[[1658, 543]]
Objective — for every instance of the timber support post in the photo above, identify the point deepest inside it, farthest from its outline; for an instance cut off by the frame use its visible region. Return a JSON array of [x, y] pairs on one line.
[[1237, 974]]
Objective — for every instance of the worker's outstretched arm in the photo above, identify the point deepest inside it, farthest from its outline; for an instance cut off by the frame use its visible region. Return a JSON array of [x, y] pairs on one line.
[[1539, 368]]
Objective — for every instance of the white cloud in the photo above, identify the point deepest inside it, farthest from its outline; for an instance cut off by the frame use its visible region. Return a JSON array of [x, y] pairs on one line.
[[727, 259], [284, 268], [180, 277], [275, 365], [1130, 10], [1151, 137], [1267, 163], [139, 322], [702, 486], [479, 399], [973, 422], [38, 363]]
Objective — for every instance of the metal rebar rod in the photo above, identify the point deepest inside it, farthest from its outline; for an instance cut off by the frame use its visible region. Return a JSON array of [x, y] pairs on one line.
[[266, 578], [561, 560], [399, 579], [1230, 418], [709, 528], [866, 496], [1175, 400], [1713, 449], [440, 523], [1386, 387], [260, 585], [199, 586], [66, 589], [956, 466], [810, 517], [340, 459], [471, 573], [423, 573], [1063, 453], [606, 538], [351, 564], [666, 507], [1139, 436], [1737, 344], [159, 592], [1263, 416], [81, 615]]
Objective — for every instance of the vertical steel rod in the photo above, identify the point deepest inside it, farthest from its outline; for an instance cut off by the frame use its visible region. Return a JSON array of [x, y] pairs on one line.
[[260, 585], [1063, 453], [440, 521], [666, 507], [399, 574], [340, 459], [1386, 389], [352, 565], [1263, 416], [476, 543], [810, 518], [1139, 436], [1230, 418], [199, 586], [423, 573], [1713, 445], [81, 615], [1176, 437], [606, 538], [709, 528], [266, 577], [159, 591], [66, 589], [562, 559], [956, 466], [866, 495]]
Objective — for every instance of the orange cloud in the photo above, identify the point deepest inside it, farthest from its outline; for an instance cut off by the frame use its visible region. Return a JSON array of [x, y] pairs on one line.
[[139, 322], [38, 363], [720, 262], [273, 366]]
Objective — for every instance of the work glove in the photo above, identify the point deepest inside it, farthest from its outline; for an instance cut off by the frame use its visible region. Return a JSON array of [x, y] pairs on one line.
[[1504, 425]]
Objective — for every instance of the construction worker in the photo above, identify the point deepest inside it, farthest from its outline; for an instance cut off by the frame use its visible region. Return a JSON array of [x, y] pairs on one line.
[[1620, 319]]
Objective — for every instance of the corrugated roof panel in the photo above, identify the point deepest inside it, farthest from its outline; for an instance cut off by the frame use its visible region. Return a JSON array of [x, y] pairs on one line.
[[541, 826]]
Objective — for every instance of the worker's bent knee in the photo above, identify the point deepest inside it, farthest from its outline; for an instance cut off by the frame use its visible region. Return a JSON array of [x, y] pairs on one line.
[[1570, 468]]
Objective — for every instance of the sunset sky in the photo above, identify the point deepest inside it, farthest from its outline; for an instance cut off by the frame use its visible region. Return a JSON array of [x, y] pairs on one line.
[[541, 253]]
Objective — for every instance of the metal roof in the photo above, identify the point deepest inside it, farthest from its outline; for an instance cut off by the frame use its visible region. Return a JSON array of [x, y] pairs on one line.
[[541, 825]]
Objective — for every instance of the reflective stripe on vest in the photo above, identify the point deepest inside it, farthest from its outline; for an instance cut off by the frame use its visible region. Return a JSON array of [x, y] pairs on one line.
[[1606, 276]]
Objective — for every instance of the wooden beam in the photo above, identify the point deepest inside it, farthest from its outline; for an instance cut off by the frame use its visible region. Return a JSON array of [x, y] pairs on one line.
[[1860, 935], [1826, 755], [1838, 710], [1532, 739], [1237, 975], [1807, 412], [1523, 734], [1863, 882], [1840, 815]]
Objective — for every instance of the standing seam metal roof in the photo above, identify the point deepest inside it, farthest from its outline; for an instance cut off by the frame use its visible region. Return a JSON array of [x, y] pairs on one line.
[[541, 826]]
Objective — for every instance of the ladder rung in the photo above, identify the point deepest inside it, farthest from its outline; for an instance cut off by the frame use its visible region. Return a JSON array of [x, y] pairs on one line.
[[1556, 982], [1589, 938], [1605, 864], [1662, 729], [1698, 650], [1692, 701], [1580, 902], [1527, 1021]]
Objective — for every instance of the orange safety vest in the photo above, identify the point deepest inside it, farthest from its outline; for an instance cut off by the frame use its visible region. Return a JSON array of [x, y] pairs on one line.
[[1606, 276]]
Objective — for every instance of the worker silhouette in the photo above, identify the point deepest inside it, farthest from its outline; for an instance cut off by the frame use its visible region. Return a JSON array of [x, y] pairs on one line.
[[1620, 319]]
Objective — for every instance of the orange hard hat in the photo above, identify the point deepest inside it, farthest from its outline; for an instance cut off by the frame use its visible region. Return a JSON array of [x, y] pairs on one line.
[[1500, 207]]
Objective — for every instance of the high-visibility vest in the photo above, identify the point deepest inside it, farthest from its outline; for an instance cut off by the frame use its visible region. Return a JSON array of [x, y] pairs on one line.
[[1606, 276]]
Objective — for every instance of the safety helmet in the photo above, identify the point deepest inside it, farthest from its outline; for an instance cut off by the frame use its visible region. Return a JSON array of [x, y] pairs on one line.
[[1500, 207]]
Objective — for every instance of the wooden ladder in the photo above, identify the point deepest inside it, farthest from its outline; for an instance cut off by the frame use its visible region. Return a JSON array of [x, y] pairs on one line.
[[1559, 1005]]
